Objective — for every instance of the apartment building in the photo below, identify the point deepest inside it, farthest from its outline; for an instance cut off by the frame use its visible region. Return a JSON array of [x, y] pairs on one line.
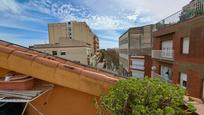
[[79, 31], [194, 8], [178, 54], [70, 40], [134, 42]]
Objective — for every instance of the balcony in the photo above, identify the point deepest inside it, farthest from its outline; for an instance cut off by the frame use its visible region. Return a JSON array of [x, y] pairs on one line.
[[163, 54], [179, 16]]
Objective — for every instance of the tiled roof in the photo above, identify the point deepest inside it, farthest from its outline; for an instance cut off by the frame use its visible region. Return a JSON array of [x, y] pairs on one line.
[[12, 50]]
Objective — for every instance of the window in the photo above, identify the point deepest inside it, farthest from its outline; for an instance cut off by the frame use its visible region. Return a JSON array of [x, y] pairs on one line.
[[167, 49], [70, 37], [63, 53], [183, 80], [185, 45], [166, 73], [54, 53], [70, 29], [69, 23]]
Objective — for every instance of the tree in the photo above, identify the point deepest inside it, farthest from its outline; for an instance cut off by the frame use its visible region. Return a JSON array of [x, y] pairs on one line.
[[111, 57], [148, 96]]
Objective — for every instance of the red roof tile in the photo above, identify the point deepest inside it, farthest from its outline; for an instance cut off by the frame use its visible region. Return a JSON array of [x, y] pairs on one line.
[[55, 62]]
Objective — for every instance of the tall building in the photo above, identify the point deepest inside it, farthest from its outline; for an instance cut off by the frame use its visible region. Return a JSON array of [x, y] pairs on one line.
[[194, 8], [79, 31], [70, 40], [134, 42], [178, 55]]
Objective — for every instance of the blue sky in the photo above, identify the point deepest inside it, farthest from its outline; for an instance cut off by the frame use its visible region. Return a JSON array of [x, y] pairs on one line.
[[25, 21]]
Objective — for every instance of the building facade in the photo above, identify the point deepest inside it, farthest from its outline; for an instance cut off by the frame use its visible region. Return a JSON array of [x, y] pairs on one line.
[[96, 44], [178, 55], [73, 50], [70, 40], [134, 42], [140, 66], [79, 31]]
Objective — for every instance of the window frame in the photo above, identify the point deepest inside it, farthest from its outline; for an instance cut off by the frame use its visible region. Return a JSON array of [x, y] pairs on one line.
[[182, 80], [182, 46], [54, 53], [63, 53]]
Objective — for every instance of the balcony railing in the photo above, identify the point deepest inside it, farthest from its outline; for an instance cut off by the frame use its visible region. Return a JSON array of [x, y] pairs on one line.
[[163, 54], [180, 16]]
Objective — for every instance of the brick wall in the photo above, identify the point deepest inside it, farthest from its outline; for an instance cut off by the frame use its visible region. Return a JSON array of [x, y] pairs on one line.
[[148, 66], [194, 84], [193, 63]]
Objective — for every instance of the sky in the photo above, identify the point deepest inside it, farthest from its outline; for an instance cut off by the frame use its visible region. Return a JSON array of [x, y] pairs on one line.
[[25, 22]]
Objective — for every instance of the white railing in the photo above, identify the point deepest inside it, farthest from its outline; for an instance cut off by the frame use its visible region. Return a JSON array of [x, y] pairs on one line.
[[163, 54]]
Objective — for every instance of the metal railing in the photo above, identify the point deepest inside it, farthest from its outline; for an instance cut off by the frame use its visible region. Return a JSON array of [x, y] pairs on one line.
[[181, 16], [163, 54]]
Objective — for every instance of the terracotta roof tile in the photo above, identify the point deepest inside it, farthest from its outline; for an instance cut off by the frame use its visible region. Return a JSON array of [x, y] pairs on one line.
[[25, 55], [98, 76], [46, 62], [18, 48], [37, 53], [70, 68], [4, 43], [5, 49], [54, 62]]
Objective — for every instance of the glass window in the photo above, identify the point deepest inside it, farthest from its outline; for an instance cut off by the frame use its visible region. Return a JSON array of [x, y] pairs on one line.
[[166, 73], [63, 53], [183, 80], [54, 53], [185, 47]]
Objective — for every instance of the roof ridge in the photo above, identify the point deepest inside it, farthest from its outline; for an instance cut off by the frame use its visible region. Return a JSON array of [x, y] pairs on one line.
[[48, 59]]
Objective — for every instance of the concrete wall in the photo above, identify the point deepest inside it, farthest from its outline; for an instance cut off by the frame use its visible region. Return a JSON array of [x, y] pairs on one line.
[[57, 31], [72, 53], [135, 42], [79, 31], [64, 101], [124, 51]]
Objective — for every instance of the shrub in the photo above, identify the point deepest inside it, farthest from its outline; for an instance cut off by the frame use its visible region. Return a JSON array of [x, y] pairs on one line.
[[148, 96]]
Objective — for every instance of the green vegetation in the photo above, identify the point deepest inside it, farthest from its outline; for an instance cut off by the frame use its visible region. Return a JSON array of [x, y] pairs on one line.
[[149, 96]]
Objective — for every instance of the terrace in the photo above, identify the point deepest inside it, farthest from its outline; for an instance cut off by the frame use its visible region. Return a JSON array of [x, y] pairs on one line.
[[179, 17]]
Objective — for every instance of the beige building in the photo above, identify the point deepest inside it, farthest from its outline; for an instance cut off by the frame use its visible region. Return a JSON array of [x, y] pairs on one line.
[[79, 31], [70, 40], [73, 50], [135, 41]]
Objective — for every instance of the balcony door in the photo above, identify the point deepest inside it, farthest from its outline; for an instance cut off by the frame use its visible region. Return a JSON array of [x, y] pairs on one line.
[[167, 49]]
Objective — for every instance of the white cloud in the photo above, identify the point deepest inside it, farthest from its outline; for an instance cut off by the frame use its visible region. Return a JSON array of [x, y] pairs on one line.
[[116, 14], [109, 15], [123, 19], [158, 8], [15, 25], [10, 5]]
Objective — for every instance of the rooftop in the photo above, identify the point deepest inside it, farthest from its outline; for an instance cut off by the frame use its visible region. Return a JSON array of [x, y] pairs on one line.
[[54, 69]]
